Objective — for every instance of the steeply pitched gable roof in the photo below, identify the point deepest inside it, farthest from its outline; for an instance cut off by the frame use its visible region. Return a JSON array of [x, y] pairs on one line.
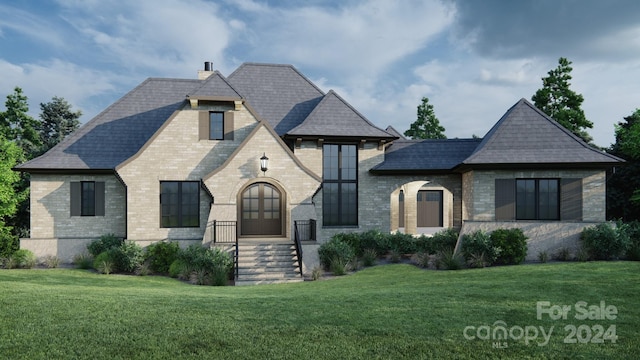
[[279, 93], [334, 117], [216, 86], [391, 130], [119, 131], [431, 155], [526, 135]]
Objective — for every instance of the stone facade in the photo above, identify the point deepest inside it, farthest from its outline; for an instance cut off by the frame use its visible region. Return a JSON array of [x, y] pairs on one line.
[[480, 191], [54, 232]]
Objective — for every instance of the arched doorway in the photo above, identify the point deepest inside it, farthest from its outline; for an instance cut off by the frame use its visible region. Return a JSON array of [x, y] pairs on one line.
[[261, 210]]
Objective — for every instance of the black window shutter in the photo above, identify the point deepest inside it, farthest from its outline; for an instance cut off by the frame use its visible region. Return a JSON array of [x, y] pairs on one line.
[[505, 200], [203, 125], [100, 198], [571, 199], [228, 125], [76, 198]]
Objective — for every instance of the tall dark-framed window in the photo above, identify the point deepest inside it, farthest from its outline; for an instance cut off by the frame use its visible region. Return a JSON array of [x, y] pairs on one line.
[[87, 198], [216, 125], [179, 204], [537, 199], [340, 185]]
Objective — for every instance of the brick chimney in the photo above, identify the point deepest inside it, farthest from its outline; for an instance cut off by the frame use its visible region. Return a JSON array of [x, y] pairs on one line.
[[208, 70]]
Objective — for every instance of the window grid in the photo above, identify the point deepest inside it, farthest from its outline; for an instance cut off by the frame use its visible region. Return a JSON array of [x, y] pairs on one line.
[[180, 204], [537, 199], [216, 125], [340, 185], [88, 198]]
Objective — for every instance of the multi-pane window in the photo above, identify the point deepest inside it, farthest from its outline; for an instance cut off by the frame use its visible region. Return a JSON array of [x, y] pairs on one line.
[[340, 185], [216, 125], [180, 204], [87, 198], [537, 199]]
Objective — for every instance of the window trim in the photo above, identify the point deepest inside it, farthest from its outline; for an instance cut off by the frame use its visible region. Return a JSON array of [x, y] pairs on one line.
[[77, 198], [340, 182], [180, 217], [87, 209]]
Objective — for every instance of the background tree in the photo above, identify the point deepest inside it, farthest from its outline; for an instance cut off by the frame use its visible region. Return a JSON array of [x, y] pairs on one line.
[[623, 186], [10, 156], [557, 100], [427, 126], [57, 121], [16, 125]]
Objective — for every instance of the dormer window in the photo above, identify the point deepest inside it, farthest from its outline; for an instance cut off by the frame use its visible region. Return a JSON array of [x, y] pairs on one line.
[[216, 125]]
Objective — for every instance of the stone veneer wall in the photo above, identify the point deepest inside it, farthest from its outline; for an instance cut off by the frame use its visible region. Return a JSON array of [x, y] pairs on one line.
[[479, 188], [175, 154], [54, 232]]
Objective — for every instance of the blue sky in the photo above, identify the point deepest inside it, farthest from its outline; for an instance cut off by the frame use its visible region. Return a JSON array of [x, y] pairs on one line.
[[473, 59]]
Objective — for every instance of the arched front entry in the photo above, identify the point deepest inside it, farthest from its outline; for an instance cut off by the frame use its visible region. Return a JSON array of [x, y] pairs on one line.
[[261, 210]]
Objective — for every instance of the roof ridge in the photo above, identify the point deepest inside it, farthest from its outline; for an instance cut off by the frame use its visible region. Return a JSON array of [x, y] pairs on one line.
[[277, 65]]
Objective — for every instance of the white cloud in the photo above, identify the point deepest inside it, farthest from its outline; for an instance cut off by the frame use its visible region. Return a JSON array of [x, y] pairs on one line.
[[29, 25]]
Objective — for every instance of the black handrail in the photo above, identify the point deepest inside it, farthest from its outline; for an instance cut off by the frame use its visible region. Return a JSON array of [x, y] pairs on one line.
[[225, 232], [298, 245]]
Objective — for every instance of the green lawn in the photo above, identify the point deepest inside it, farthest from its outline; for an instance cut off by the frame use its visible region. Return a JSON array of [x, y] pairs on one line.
[[385, 312]]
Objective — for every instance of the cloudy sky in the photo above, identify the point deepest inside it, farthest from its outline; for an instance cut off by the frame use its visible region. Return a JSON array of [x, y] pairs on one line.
[[472, 59]]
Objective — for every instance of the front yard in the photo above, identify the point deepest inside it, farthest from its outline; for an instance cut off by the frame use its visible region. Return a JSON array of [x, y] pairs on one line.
[[390, 312]]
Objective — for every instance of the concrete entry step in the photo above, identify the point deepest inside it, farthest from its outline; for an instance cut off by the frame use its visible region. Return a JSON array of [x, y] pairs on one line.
[[265, 261]]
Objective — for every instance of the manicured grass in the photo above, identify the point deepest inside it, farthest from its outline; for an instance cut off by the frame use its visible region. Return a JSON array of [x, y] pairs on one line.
[[385, 312]]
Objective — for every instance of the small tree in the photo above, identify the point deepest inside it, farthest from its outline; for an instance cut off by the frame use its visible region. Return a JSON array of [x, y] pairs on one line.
[[623, 186], [562, 104], [427, 126], [16, 125], [10, 155], [57, 121]]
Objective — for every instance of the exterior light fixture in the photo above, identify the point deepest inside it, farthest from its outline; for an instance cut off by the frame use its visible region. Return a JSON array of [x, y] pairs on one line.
[[264, 163]]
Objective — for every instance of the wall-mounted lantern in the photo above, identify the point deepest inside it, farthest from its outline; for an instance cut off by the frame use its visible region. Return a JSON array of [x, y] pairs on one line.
[[264, 163]]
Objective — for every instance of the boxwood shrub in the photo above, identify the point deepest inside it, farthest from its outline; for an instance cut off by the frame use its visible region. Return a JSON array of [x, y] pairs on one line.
[[604, 241], [510, 246], [336, 250]]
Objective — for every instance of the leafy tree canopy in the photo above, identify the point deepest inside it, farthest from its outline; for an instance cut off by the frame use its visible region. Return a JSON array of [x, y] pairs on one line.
[[16, 125], [427, 126], [57, 121], [562, 104]]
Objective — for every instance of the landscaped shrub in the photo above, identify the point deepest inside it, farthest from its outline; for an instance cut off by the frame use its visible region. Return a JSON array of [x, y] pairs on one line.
[[127, 257], [83, 261], [510, 246], [179, 269], [339, 266], [335, 248], [373, 239], [104, 262], [448, 260], [563, 254], [402, 243], [21, 259], [9, 243], [478, 244], [207, 266], [421, 259], [604, 242], [369, 257], [103, 244], [161, 255], [633, 231], [442, 240], [543, 256], [51, 261]]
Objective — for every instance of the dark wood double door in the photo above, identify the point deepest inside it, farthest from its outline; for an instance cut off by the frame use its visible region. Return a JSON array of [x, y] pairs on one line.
[[261, 211]]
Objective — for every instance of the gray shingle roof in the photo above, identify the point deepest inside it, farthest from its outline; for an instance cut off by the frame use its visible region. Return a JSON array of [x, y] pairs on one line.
[[526, 135], [335, 117], [119, 131], [391, 130], [279, 93], [426, 155], [216, 86]]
